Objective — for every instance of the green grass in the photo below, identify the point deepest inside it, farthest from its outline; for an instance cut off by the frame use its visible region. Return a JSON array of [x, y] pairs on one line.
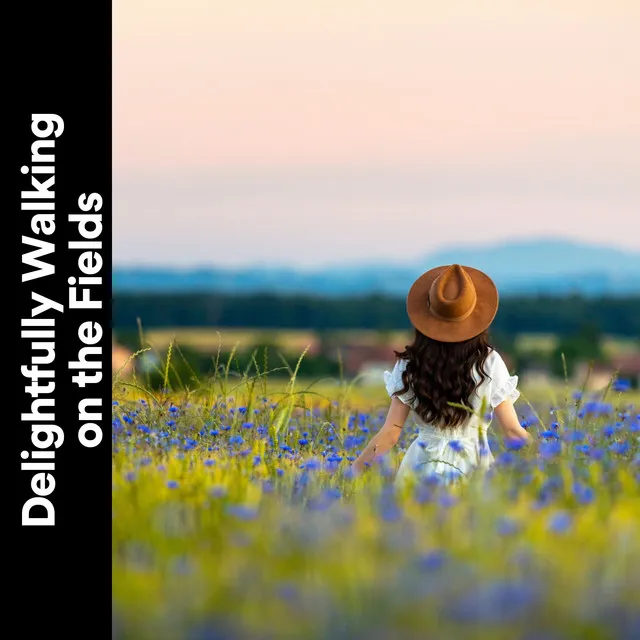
[[217, 537]]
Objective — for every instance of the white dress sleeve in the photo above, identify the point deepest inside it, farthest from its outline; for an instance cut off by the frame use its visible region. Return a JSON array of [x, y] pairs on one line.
[[503, 386], [393, 382]]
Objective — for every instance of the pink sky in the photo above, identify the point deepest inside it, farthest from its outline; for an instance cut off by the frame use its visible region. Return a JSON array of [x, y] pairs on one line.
[[313, 132]]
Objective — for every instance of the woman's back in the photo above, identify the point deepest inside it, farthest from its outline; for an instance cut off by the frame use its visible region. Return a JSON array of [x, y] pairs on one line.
[[453, 451], [496, 387]]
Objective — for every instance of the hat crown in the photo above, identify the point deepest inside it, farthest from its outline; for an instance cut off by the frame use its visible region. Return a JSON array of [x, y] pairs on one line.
[[452, 296]]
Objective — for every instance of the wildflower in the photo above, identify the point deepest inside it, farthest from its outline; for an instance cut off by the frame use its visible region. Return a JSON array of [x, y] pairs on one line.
[[446, 500], [506, 458], [515, 444], [247, 425], [242, 512], [507, 526], [619, 448], [172, 484], [456, 445], [621, 386], [583, 493], [209, 463], [550, 449], [432, 561], [130, 476], [560, 522]]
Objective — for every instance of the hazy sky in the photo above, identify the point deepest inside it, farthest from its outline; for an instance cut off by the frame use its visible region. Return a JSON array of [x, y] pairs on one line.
[[310, 132]]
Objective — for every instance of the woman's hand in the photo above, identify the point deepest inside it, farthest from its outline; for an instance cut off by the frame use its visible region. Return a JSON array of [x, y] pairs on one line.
[[386, 438]]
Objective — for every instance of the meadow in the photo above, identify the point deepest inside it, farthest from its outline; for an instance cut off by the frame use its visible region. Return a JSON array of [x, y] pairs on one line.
[[235, 516]]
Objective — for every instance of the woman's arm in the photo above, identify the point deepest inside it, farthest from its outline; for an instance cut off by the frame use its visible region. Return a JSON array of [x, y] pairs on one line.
[[387, 437], [509, 423]]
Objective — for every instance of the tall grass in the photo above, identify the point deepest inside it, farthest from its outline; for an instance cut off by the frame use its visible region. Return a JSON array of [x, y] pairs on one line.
[[235, 516]]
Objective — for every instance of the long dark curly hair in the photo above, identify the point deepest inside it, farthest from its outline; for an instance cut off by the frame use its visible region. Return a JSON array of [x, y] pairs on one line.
[[441, 372]]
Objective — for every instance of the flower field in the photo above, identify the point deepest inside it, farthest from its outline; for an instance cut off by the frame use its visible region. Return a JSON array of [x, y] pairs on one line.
[[235, 516]]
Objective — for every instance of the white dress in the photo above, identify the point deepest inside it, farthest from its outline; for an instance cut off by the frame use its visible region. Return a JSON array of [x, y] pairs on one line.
[[453, 453]]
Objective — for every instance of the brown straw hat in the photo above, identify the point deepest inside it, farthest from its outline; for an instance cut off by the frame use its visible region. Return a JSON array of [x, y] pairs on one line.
[[452, 303]]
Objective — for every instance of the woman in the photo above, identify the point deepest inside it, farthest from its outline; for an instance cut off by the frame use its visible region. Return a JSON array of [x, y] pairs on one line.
[[448, 378]]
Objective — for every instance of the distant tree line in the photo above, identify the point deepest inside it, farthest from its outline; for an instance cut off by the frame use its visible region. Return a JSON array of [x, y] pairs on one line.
[[542, 314]]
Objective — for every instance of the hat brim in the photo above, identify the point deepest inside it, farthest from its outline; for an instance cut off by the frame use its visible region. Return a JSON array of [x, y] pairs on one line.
[[445, 331]]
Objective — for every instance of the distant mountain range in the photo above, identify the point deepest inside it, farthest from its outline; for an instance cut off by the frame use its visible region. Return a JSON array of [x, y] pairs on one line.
[[555, 267]]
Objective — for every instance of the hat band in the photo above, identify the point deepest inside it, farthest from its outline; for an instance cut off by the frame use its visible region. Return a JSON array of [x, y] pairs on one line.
[[461, 318]]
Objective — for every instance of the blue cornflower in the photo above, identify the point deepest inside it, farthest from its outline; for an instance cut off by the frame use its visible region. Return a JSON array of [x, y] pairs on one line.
[[560, 522], [242, 512], [456, 445], [172, 484], [446, 500], [583, 493], [550, 448], [515, 444], [247, 425], [619, 448], [209, 463], [621, 385], [432, 561], [507, 526], [506, 458]]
